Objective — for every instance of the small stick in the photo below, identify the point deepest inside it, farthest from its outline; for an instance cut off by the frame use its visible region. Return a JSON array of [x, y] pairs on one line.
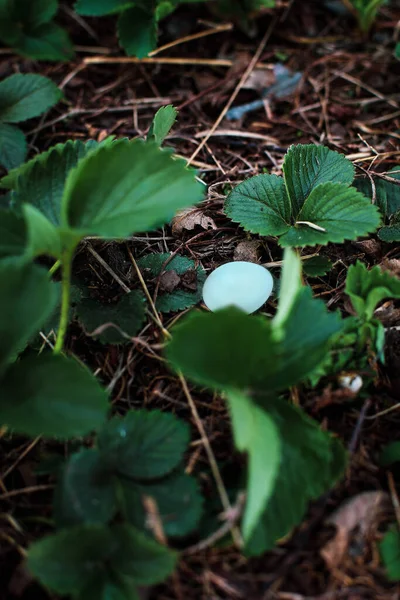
[[190, 38], [200, 62]]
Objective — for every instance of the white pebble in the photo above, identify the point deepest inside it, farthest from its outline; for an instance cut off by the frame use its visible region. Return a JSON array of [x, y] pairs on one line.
[[242, 284], [353, 383]]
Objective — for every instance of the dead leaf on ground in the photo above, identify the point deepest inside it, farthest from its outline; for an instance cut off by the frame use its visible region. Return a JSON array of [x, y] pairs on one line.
[[392, 265], [189, 219], [169, 280], [358, 513], [247, 251]]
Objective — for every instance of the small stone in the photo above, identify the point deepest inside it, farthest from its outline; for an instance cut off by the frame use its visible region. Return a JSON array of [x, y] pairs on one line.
[[242, 284]]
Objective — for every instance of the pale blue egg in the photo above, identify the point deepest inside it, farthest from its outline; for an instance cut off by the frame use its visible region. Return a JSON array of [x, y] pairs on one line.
[[242, 284]]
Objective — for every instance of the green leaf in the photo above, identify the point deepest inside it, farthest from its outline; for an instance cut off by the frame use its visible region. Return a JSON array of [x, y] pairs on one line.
[[86, 491], [290, 285], [98, 8], [128, 314], [311, 463], [71, 559], [390, 454], [180, 298], [51, 395], [261, 205], [332, 213], [162, 124], [59, 158], [137, 31], [13, 147], [27, 298], [307, 166], [13, 234], [317, 266], [110, 586], [390, 553], [127, 187], [179, 503], [34, 13], [25, 96], [387, 193], [255, 433], [143, 445], [233, 350], [42, 236], [46, 42], [141, 558], [366, 288], [41, 181], [390, 234]]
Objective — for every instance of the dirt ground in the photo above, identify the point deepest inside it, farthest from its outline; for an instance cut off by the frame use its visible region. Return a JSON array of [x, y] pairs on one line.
[[349, 99]]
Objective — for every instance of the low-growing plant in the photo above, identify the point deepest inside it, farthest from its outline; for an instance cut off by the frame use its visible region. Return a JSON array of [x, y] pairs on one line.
[[313, 203], [29, 28], [22, 97], [365, 11]]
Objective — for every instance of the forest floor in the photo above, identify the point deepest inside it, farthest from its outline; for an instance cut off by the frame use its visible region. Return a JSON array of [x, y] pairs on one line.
[[349, 99]]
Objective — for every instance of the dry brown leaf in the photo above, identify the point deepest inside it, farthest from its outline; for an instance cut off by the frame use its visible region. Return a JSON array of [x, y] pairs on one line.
[[189, 219], [359, 512], [169, 280], [247, 251]]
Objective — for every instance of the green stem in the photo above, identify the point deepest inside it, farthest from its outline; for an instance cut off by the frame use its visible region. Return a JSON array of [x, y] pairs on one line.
[[55, 267], [65, 299]]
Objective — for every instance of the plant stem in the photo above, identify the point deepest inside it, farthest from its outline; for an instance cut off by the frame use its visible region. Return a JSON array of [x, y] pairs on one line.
[[54, 268], [65, 299]]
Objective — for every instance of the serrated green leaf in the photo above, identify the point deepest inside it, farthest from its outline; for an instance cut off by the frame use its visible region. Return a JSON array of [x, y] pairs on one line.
[[179, 299], [179, 503], [162, 124], [27, 298], [332, 213], [137, 31], [110, 586], [25, 96], [128, 314], [233, 350], [390, 553], [86, 492], [34, 13], [51, 395], [317, 266], [141, 558], [65, 155], [41, 181], [312, 462], [98, 8], [390, 234], [71, 559], [127, 187], [42, 236], [307, 166], [13, 234], [13, 147], [261, 205], [387, 194], [143, 445], [390, 454], [46, 42], [255, 433], [366, 288]]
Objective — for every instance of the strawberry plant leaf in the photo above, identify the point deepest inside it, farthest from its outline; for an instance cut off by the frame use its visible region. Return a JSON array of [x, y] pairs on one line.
[[188, 273], [51, 395], [390, 553], [311, 463], [41, 181], [128, 314], [13, 234], [255, 433], [390, 454], [261, 205], [332, 213], [366, 288], [42, 236], [317, 266], [26, 291], [98, 8], [307, 166], [25, 96], [46, 42], [178, 500], [127, 187], [86, 492], [387, 194], [143, 445], [137, 31], [13, 147], [162, 124]]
